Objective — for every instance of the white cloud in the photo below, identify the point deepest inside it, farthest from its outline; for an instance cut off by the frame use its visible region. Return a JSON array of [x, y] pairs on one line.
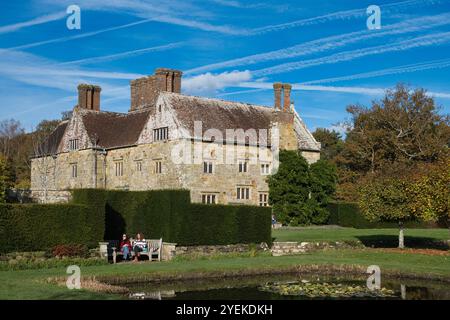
[[34, 70], [343, 89], [210, 84], [340, 127]]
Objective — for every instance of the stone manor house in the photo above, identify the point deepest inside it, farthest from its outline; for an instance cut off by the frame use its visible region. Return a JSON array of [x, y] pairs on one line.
[[141, 149]]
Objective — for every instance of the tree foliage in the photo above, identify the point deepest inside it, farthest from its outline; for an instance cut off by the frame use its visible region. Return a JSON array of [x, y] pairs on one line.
[[298, 192], [402, 129], [386, 200], [430, 193], [6, 177], [331, 142]]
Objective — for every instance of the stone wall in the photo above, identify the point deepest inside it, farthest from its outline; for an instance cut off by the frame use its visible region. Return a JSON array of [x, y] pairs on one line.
[[95, 170], [292, 248]]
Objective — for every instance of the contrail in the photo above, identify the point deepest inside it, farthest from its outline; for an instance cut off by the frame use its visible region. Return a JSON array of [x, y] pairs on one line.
[[435, 64], [124, 54], [33, 22], [332, 42], [341, 15], [428, 40], [79, 36]]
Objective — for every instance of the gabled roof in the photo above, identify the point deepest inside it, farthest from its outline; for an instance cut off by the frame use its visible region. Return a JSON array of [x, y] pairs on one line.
[[51, 144], [111, 129], [218, 114], [223, 115]]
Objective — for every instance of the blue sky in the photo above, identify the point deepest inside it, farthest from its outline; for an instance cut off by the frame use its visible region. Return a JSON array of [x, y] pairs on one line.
[[230, 49]]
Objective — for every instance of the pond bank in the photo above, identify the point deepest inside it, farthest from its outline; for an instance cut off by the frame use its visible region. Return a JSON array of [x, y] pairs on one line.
[[35, 284]]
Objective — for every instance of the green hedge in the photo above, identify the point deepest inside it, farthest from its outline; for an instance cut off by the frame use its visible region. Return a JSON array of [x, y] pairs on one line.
[[31, 227], [347, 214], [168, 214]]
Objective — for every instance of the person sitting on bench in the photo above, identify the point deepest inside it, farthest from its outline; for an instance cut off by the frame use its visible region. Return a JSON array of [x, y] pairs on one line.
[[139, 245], [125, 247]]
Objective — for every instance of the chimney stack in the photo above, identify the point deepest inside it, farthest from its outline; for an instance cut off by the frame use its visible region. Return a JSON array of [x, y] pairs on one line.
[[145, 91], [89, 97], [277, 87], [287, 97]]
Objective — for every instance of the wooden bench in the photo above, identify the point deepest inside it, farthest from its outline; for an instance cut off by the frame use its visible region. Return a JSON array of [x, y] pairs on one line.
[[153, 252]]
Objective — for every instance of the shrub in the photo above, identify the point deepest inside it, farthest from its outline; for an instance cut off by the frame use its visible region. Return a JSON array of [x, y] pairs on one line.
[[70, 250], [32, 227], [27, 264], [347, 214], [168, 214]]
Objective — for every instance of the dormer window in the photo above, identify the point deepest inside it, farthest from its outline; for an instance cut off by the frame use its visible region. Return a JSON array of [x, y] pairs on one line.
[[73, 144], [161, 134]]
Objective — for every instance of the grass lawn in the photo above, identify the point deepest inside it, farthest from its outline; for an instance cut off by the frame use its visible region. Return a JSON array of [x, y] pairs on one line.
[[30, 284], [369, 237]]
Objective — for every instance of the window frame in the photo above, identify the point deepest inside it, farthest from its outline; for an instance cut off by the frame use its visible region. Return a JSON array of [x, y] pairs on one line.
[[243, 193], [209, 198], [119, 168], [208, 167], [243, 166], [158, 166], [74, 167], [263, 199], [161, 134], [73, 144], [265, 169]]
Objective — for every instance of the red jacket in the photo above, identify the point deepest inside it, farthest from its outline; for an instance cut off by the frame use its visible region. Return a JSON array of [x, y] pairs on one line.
[[125, 243]]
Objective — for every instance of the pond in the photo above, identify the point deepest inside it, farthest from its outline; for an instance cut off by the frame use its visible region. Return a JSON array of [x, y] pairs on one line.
[[290, 287]]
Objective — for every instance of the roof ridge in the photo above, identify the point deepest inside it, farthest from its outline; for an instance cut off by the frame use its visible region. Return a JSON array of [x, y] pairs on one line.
[[218, 100]]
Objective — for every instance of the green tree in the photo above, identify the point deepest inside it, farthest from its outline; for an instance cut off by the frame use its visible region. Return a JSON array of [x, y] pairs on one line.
[[323, 179], [6, 177], [331, 142], [289, 188], [299, 193]]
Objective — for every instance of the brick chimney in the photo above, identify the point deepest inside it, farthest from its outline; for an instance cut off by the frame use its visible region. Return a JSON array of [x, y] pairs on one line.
[[277, 87], [287, 97], [89, 97], [145, 91]]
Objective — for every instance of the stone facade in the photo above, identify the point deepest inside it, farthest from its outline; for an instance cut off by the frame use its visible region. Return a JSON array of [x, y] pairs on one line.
[[157, 145]]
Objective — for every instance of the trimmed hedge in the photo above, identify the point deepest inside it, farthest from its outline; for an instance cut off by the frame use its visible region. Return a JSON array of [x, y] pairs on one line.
[[168, 214], [347, 214], [32, 227]]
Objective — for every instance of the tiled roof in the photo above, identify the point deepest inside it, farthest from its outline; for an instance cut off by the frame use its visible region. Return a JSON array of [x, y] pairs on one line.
[[51, 144], [114, 130], [110, 129]]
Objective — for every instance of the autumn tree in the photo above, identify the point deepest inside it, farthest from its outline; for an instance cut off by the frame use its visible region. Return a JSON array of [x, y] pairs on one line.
[[402, 129], [387, 200], [430, 192]]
